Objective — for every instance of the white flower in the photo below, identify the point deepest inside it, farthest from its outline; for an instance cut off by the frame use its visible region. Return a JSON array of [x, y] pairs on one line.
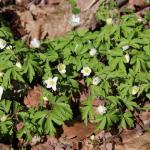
[[51, 83], [93, 51], [9, 47], [35, 140], [101, 109], [86, 71], [61, 68], [45, 98], [1, 74], [127, 57], [2, 43], [140, 19], [74, 20], [96, 80], [1, 91], [3, 118], [126, 47], [109, 21], [135, 90], [35, 43], [18, 64], [92, 137]]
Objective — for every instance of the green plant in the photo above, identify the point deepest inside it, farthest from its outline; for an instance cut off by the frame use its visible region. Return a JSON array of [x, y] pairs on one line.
[[112, 63]]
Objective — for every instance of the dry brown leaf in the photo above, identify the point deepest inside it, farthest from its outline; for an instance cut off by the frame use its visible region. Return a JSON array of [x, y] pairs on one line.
[[136, 143], [5, 147], [78, 130], [138, 3], [84, 5], [33, 97], [19, 126], [44, 146], [50, 19]]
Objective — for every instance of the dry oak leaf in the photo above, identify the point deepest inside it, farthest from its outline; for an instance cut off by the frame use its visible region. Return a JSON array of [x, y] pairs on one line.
[[136, 143], [52, 19], [139, 3], [5, 147], [78, 130], [43, 146], [19, 126], [84, 5], [33, 97]]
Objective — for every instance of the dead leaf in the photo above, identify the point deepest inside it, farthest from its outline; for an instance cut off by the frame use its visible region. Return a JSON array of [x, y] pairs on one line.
[[44, 146], [50, 18], [19, 126], [33, 97], [84, 5], [78, 130], [137, 3], [136, 143], [5, 147]]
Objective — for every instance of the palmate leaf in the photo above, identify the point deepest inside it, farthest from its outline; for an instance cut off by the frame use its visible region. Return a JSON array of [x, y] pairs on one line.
[[5, 32], [5, 106], [105, 121], [30, 66], [7, 79], [130, 104], [126, 120], [87, 111]]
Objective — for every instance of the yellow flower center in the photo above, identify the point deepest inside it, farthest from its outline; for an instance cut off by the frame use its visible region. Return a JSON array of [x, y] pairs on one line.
[[86, 70], [51, 82], [61, 66]]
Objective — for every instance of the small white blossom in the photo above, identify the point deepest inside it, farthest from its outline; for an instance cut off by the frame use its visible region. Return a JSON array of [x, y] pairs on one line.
[[135, 90], [45, 98], [93, 51], [140, 19], [109, 21], [3, 118], [51, 83], [101, 109], [18, 64], [96, 80], [74, 20], [9, 47], [2, 43], [86, 71], [1, 74], [127, 57], [92, 137], [35, 43], [61, 68], [126, 47], [35, 140], [1, 91]]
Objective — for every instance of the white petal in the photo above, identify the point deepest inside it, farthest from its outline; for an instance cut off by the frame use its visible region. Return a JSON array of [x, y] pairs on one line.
[[62, 71], [54, 87], [55, 79], [101, 109], [135, 90], [3, 118], [48, 86], [1, 91], [74, 20], [35, 43], [109, 21], [126, 47], [18, 64], [127, 57], [2, 43], [93, 52]]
